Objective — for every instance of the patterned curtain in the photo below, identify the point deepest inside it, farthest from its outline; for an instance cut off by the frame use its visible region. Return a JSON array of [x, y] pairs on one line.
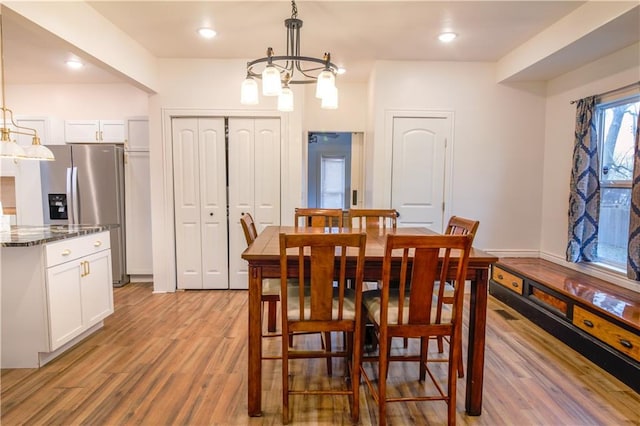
[[584, 198], [633, 259]]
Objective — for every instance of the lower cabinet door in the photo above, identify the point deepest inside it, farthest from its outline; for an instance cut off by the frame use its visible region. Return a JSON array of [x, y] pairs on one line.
[[96, 288], [64, 303]]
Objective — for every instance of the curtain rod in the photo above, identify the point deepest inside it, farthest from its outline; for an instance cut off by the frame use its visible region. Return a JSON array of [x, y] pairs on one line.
[[619, 89]]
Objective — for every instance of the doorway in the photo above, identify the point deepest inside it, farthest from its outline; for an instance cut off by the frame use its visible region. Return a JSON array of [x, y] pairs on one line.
[[334, 174]]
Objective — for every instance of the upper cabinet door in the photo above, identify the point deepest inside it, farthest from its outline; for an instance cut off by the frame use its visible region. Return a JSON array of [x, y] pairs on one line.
[[96, 131], [137, 136], [81, 131]]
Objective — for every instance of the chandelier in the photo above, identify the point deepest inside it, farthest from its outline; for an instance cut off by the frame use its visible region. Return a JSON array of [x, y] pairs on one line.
[[8, 128], [279, 72]]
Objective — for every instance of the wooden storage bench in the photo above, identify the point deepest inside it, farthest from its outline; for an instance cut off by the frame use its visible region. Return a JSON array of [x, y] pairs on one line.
[[594, 317]]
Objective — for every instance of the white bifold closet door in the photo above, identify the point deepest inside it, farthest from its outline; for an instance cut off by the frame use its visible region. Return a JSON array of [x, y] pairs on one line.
[[200, 200], [254, 184]]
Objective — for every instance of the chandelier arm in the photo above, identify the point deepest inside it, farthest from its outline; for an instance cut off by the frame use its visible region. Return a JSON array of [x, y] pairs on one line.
[[274, 59]]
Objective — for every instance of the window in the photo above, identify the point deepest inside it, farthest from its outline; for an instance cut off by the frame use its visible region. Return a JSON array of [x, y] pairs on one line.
[[616, 126], [332, 182]]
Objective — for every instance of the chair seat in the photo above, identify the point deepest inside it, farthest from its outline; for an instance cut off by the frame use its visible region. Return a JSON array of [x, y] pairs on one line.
[[371, 301], [293, 304]]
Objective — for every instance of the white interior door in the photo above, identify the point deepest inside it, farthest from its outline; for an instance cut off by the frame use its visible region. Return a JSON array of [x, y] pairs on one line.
[[418, 170], [213, 196], [199, 171], [254, 184]]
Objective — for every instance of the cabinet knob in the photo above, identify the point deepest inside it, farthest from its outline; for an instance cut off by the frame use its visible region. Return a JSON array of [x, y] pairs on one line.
[[97, 243], [587, 323], [66, 252], [627, 344], [210, 214]]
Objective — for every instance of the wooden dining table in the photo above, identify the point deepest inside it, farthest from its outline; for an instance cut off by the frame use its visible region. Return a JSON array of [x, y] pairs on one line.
[[263, 256]]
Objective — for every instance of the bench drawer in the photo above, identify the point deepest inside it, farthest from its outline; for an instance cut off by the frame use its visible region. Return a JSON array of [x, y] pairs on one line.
[[507, 279], [617, 337]]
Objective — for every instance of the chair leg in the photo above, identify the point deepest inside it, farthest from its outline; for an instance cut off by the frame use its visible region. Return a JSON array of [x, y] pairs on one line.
[[424, 349], [356, 360], [383, 369], [285, 379], [271, 315], [452, 384], [327, 348], [460, 364]]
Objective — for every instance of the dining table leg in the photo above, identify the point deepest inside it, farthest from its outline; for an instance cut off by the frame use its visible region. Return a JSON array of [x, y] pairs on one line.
[[254, 379], [477, 330]]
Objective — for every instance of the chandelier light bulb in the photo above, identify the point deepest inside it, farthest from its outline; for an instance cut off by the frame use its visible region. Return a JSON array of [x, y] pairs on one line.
[[330, 99], [285, 100], [249, 92], [271, 85], [326, 80]]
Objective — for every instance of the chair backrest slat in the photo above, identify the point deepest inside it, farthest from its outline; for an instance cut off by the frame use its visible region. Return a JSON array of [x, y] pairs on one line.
[[372, 218], [317, 217]]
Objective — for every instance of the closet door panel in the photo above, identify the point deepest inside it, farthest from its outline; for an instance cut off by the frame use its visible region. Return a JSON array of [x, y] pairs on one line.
[[267, 173], [186, 186], [242, 163], [213, 198]]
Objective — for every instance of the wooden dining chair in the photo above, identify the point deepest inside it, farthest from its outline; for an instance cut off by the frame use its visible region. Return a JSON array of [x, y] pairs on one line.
[[270, 286], [322, 307], [456, 226], [318, 217], [409, 311], [372, 218]]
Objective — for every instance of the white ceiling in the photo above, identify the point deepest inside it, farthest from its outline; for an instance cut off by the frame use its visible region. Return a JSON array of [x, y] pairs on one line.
[[355, 32]]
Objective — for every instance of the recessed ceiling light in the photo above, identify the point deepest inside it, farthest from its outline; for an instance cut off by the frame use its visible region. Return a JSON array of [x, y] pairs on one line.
[[74, 64], [447, 37], [207, 32]]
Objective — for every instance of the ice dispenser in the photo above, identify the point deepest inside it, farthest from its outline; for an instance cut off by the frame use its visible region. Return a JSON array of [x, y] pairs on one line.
[[58, 206]]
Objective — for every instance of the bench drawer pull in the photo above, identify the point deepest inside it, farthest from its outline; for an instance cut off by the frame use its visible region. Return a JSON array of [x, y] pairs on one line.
[[627, 344], [501, 276], [587, 323], [515, 284]]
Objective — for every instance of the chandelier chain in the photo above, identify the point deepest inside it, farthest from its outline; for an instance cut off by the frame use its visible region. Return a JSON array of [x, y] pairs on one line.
[[294, 10]]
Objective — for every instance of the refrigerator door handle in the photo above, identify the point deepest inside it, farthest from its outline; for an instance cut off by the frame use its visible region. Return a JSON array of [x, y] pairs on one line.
[[69, 196], [75, 203]]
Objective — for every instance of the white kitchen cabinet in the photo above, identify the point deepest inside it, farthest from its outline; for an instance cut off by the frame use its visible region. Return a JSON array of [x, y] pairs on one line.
[[138, 197], [138, 213], [88, 131], [137, 134], [78, 296], [53, 296]]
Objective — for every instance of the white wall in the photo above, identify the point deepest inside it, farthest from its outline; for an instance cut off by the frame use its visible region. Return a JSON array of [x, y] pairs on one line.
[[611, 72], [497, 145]]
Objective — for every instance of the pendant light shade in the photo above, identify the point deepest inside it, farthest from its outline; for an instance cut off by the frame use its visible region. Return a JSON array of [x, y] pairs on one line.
[[330, 99], [38, 152], [326, 80], [249, 92], [285, 100], [10, 149], [271, 85]]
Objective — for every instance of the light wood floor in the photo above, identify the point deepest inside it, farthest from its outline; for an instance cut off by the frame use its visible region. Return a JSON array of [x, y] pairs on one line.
[[181, 359]]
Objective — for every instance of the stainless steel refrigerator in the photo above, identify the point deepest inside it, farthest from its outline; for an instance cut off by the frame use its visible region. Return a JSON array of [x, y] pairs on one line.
[[85, 186]]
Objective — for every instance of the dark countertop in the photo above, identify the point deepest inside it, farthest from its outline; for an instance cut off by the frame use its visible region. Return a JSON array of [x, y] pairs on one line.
[[24, 236]]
